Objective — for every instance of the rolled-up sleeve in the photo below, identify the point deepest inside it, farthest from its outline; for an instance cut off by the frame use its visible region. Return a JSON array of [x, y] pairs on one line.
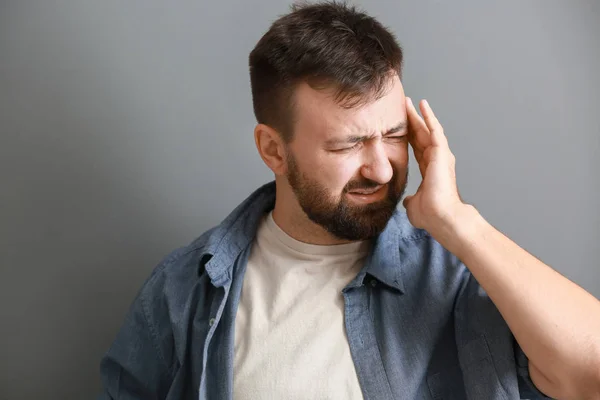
[[483, 334]]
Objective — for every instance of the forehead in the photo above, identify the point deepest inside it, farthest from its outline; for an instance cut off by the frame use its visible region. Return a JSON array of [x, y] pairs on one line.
[[320, 117]]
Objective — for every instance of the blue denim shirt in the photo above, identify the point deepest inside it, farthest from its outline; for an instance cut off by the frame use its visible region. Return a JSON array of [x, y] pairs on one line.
[[418, 323]]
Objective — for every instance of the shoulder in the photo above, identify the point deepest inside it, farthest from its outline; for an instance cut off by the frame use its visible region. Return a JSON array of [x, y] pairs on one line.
[[179, 271], [418, 242], [423, 260]]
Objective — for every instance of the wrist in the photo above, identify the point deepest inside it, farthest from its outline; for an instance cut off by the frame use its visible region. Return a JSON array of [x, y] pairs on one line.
[[458, 228]]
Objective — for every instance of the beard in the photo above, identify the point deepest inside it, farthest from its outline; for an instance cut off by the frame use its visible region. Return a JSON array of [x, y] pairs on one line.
[[339, 216]]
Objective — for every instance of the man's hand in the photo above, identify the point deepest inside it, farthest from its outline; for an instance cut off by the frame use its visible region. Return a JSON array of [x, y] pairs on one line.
[[436, 201], [554, 321]]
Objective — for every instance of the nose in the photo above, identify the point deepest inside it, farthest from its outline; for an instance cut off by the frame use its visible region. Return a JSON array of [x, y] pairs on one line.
[[376, 165]]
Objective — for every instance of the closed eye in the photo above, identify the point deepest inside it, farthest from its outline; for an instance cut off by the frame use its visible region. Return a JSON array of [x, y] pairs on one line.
[[393, 139], [396, 138], [346, 149]]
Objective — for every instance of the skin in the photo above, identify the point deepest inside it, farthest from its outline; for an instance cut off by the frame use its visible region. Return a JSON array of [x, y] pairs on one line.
[[555, 321], [322, 165]]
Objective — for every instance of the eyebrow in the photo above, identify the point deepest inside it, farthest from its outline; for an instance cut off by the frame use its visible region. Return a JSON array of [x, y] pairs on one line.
[[359, 138]]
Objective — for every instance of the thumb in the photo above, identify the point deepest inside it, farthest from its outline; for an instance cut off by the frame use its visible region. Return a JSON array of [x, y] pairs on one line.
[[407, 200]]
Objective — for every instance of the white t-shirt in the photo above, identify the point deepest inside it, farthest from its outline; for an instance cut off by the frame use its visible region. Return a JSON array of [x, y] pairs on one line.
[[290, 336]]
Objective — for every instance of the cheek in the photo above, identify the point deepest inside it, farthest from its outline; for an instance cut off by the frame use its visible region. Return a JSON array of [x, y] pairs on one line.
[[335, 174], [398, 155]]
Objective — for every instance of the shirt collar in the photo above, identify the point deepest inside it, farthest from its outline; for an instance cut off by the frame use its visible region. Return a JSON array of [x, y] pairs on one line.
[[223, 244]]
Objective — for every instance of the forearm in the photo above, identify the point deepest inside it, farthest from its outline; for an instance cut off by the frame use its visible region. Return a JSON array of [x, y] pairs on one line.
[[556, 322]]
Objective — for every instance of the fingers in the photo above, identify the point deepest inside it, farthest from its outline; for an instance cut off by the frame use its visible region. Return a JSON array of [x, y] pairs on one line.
[[435, 128], [426, 135], [418, 131]]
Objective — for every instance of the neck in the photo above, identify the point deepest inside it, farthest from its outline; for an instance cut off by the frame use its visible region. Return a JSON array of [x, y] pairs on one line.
[[290, 217]]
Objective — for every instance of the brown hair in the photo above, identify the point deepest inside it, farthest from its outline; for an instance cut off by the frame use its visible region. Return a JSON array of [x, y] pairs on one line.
[[327, 45]]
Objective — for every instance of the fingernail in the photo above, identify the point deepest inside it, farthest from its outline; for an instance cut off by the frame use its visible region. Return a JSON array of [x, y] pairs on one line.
[[408, 100]]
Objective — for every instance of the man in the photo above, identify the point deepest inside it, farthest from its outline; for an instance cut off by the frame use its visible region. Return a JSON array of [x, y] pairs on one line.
[[317, 287]]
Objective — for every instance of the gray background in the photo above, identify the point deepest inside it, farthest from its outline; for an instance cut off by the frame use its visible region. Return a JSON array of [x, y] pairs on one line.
[[126, 131]]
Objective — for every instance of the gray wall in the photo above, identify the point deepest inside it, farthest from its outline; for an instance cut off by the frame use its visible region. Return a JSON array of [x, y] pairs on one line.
[[126, 130]]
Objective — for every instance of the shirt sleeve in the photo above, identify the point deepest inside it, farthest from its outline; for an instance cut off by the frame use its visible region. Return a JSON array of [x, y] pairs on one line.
[[139, 364], [481, 333]]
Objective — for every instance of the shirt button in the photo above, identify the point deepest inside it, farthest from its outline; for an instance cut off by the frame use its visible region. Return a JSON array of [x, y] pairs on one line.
[[373, 282], [211, 322]]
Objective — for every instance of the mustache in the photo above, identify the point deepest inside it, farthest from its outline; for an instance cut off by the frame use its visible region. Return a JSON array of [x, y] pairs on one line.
[[365, 184]]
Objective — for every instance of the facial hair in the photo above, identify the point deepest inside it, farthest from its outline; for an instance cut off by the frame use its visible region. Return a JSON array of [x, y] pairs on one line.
[[341, 218]]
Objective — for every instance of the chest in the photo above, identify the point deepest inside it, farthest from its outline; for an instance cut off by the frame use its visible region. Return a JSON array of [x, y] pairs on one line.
[[397, 345]]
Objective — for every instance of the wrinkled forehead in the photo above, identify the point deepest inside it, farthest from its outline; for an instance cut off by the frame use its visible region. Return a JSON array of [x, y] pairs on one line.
[[318, 116]]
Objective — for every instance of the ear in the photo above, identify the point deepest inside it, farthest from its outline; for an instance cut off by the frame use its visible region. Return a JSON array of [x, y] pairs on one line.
[[271, 147]]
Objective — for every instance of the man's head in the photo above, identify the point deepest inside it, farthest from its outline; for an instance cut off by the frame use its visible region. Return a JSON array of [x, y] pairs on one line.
[[332, 122]]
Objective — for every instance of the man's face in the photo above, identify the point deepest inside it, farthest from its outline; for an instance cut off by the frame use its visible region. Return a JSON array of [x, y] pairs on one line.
[[348, 167]]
